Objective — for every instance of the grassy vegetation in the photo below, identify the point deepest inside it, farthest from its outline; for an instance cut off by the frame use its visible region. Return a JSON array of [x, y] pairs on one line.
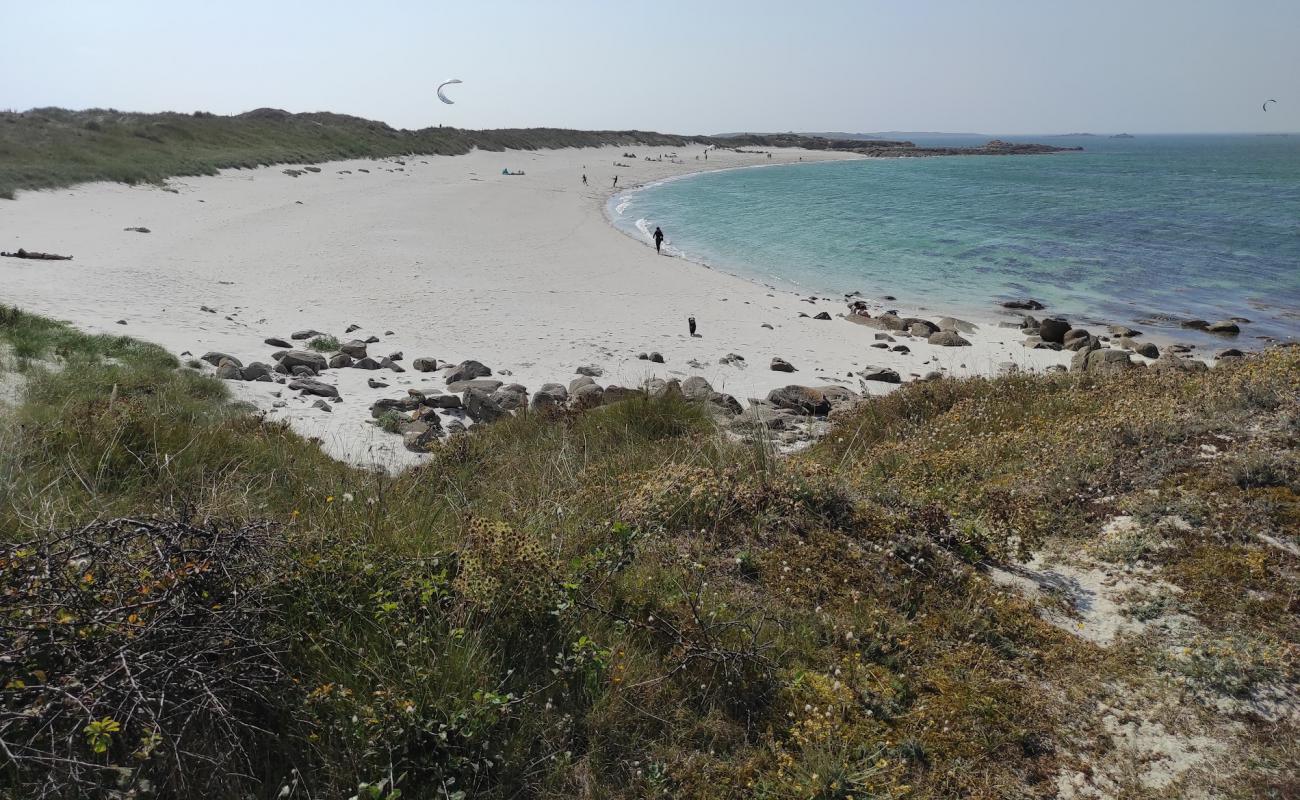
[[622, 603], [50, 147]]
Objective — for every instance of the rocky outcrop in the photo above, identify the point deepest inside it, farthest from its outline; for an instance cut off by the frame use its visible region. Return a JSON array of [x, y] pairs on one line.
[[303, 358], [467, 370]]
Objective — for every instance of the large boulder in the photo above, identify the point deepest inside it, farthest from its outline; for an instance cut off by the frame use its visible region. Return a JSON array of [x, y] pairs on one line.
[[511, 397], [340, 360], [781, 365], [1053, 329], [1147, 349], [1225, 327], [579, 382], [276, 341], [1107, 360], [488, 385], [310, 333], [257, 371], [215, 359], [696, 388], [1123, 330], [616, 394], [481, 408], [1171, 363], [424, 364], [803, 399], [947, 339], [882, 374], [442, 401], [399, 404], [355, 348], [420, 435], [588, 395], [590, 370], [313, 386], [229, 372], [954, 324], [556, 389], [303, 358], [725, 403], [468, 370]]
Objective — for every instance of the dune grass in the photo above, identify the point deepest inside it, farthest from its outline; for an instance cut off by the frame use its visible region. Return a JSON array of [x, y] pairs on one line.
[[50, 147], [622, 603]]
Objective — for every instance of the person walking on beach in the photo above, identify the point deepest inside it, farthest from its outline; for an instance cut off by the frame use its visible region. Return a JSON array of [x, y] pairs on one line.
[[615, 181], [690, 323], [658, 237], [584, 179]]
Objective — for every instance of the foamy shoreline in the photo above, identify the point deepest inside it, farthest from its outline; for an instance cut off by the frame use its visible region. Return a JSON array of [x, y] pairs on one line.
[[523, 273]]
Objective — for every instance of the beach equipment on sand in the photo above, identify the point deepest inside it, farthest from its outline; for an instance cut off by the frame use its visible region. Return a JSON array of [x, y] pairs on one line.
[[1266, 102], [444, 97]]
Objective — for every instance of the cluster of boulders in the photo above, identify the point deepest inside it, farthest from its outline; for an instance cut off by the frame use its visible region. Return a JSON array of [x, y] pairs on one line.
[[947, 332]]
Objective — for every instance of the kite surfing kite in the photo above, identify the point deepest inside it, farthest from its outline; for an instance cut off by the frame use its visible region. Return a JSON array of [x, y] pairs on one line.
[[444, 97], [1266, 102]]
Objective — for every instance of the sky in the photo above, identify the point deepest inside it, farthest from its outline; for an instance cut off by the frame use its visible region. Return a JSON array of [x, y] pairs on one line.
[[987, 66]]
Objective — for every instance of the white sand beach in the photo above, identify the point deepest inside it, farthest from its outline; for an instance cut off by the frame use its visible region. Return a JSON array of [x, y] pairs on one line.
[[523, 273]]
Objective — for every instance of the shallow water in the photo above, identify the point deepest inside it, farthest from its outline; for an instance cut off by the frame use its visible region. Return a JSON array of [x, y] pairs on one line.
[[1143, 231]]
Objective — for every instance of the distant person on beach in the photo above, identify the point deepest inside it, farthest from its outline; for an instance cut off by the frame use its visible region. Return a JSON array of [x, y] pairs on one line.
[[615, 181], [658, 237], [584, 179], [690, 323]]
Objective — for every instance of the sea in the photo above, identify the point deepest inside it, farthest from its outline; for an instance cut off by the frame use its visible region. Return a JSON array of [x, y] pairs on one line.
[[1146, 231]]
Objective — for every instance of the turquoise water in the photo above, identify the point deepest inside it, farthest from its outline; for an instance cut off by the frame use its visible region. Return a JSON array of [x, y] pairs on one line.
[[1142, 231]]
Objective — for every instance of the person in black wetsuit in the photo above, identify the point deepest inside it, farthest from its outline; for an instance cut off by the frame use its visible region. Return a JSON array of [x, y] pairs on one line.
[[658, 237]]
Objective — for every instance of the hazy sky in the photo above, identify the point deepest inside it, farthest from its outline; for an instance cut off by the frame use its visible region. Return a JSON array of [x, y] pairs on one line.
[[990, 66]]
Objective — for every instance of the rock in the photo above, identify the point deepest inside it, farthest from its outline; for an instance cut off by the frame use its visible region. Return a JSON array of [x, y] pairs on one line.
[[954, 324], [1053, 329], [1024, 305], [424, 364], [355, 348], [352, 328], [1122, 330], [734, 359], [822, 316], [374, 384], [880, 345], [321, 405], [880, 374], [442, 401], [656, 358], [590, 370], [802, 399], [310, 333], [1146, 349], [303, 358], [767, 325], [1226, 327], [884, 337], [480, 406], [1083, 343], [642, 357], [1231, 352], [257, 371], [299, 371], [340, 360], [387, 404], [901, 348], [1106, 360], [365, 363], [1194, 324], [313, 386], [397, 356], [891, 322], [544, 402], [1029, 323], [511, 398], [1075, 333], [488, 385], [275, 341], [215, 359], [229, 372], [279, 355], [574, 384], [388, 363], [372, 339], [947, 339], [556, 389], [763, 416], [421, 435], [696, 388], [588, 395], [781, 365], [725, 402], [617, 394], [467, 370], [917, 329], [1172, 363]]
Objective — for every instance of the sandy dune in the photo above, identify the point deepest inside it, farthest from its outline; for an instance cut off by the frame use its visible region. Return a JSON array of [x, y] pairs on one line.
[[523, 273]]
